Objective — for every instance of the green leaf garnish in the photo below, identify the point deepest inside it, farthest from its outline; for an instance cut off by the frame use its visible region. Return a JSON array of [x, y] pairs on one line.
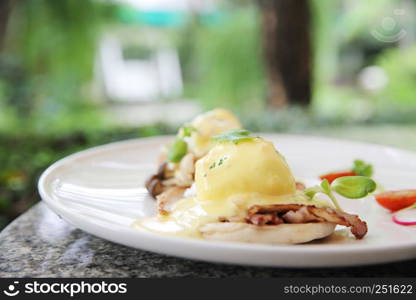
[[323, 188], [235, 136], [353, 187], [362, 168], [186, 130], [326, 188], [177, 150], [312, 191]]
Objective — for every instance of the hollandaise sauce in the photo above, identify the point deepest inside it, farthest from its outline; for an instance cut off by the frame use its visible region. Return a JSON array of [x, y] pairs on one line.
[[231, 178], [190, 214]]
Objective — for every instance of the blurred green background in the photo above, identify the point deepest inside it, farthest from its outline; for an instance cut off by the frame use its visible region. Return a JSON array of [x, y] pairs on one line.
[[74, 74]]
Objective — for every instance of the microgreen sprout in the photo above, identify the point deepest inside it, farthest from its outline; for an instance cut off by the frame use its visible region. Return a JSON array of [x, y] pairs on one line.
[[186, 131], [352, 187], [362, 168], [235, 136], [177, 150]]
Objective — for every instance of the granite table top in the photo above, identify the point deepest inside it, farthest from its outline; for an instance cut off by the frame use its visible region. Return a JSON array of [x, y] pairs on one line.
[[40, 244]]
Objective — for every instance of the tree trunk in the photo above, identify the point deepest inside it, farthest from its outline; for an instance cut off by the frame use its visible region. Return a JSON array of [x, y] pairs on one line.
[[287, 51], [5, 9]]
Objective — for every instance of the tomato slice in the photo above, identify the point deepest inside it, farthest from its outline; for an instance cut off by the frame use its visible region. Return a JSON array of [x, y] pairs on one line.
[[332, 176], [395, 200]]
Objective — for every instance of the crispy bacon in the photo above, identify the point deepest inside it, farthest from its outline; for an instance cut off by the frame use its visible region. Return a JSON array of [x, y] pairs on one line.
[[298, 214], [168, 176], [154, 183], [301, 215], [358, 227], [265, 219], [274, 208]]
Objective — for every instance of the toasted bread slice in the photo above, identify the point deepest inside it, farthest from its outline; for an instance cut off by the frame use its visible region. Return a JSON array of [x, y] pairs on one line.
[[267, 234]]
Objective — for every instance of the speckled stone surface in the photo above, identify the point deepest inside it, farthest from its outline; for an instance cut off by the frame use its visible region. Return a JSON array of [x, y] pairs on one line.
[[40, 244]]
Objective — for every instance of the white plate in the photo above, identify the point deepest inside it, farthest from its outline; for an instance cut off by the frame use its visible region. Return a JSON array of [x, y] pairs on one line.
[[101, 191]]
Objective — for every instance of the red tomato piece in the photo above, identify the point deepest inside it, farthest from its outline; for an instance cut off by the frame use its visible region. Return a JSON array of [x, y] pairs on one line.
[[332, 176], [396, 200]]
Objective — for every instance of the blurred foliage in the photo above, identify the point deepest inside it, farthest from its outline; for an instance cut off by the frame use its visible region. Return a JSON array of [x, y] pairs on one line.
[[226, 61], [25, 156], [46, 112], [350, 35], [47, 64], [222, 62], [400, 67]]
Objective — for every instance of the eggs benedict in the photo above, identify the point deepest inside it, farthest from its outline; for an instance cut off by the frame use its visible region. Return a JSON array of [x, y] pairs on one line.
[[245, 192], [177, 162]]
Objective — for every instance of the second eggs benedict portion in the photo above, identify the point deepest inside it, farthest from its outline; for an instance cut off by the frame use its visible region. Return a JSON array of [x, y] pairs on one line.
[[193, 141], [207, 125]]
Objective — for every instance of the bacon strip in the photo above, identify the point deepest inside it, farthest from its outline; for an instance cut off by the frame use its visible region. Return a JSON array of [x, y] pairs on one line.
[[297, 214], [167, 177], [154, 183], [273, 208], [265, 219]]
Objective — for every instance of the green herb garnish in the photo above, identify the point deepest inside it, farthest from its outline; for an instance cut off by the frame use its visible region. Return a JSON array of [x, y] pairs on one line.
[[362, 168], [235, 136], [177, 150], [221, 161], [352, 187], [217, 164], [186, 131]]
